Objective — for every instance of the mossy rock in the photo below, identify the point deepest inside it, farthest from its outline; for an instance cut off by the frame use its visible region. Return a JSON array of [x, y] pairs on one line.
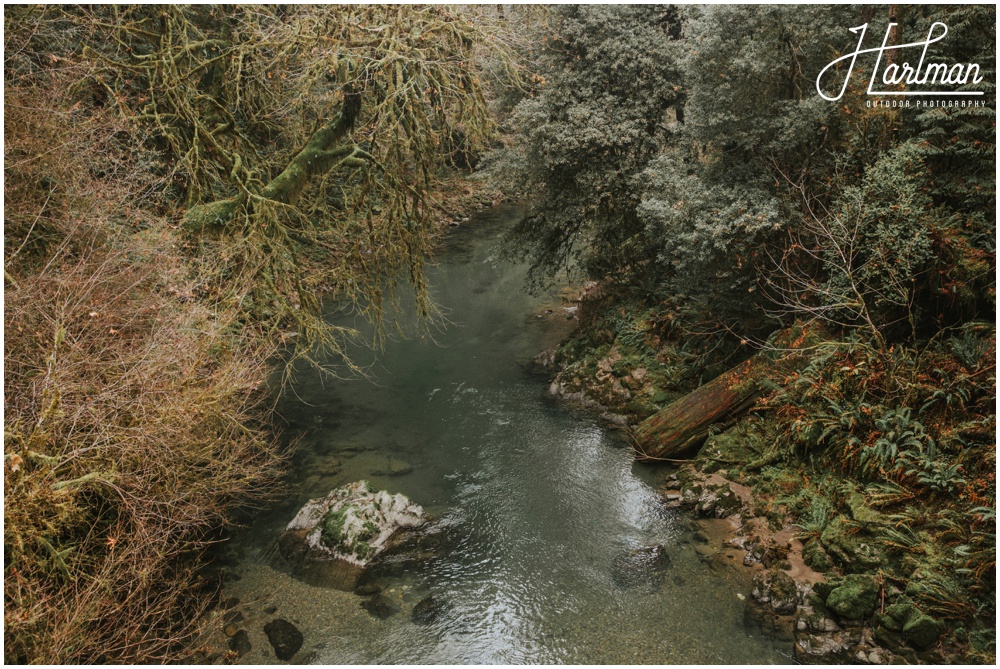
[[922, 631], [855, 598], [333, 528], [824, 588], [900, 613], [856, 502], [784, 593], [721, 450], [841, 541], [888, 637], [662, 398], [728, 502], [817, 558]]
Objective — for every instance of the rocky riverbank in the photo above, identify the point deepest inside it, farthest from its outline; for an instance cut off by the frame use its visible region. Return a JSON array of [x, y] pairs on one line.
[[838, 574], [824, 617]]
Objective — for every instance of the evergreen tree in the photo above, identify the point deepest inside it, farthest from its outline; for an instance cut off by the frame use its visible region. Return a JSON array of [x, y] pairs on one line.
[[607, 100]]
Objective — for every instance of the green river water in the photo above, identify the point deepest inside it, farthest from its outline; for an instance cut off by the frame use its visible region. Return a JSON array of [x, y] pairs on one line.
[[542, 500]]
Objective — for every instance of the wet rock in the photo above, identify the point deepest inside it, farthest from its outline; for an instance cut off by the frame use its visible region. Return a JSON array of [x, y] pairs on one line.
[[285, 638], [543, 362], [772, 605], [332, 540], [240, 643], [380, 606], [815, 648], [372, 588], [640, 565], [429, 609], [392, 467], [233, 617], [777, 589], [709, 501], [767, 554]]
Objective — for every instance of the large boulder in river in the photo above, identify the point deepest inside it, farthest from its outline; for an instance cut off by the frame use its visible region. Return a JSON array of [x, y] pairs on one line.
[[333, 539]]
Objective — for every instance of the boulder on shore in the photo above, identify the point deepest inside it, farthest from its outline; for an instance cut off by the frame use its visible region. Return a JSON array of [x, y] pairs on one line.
[[332, 539]]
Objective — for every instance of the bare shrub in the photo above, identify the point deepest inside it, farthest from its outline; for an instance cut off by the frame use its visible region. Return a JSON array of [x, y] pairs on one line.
[[133, 412]]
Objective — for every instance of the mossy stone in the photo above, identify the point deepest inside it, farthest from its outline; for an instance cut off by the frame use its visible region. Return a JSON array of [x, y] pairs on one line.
[[662, 398], [816, 557], [902, 611], [888, 637], [824, 588], [859, 510], [855, 598], [333, 528], [841, 543], [922, 631]]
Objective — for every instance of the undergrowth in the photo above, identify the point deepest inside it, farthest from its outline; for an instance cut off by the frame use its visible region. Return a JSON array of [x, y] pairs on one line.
[[132, 412], [885, 462]]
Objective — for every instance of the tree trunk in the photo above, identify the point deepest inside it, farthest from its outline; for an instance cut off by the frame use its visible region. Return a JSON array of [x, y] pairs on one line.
[[320, 155], [680, 427]]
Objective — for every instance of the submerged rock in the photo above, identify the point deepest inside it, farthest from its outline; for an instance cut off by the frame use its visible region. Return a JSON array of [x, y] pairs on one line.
[[333, 539], [240, 643], [428, 610], [640, 565], [285, 638], [380, 606]]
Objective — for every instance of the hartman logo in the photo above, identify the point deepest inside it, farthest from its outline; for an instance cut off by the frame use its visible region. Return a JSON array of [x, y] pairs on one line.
[[913, 78]]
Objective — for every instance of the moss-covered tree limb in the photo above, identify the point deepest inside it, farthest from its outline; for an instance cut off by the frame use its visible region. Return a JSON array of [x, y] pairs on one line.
[[322, 153]]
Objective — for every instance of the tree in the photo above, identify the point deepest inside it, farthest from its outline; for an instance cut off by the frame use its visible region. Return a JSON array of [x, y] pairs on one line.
[[307, 141], [607, 97]]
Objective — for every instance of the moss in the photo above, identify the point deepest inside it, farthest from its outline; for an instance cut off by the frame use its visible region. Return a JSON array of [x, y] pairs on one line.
[[816, 557], [888, 637], [333, 528], [368, 532], [824, 588], [662, 397], [728, 502], [782, 586], [211, 217], [856, 502], [855, 598], [362, 550], [901, 612], [841, 541], [922, 631]]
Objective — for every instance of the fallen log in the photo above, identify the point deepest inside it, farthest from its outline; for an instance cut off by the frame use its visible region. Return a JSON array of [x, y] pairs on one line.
[[680, 427]]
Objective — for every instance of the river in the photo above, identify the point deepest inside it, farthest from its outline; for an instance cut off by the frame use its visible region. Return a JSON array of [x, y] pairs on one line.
[[543, 498]]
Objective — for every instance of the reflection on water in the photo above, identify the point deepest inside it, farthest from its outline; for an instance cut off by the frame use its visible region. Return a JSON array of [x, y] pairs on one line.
[[541, 503]]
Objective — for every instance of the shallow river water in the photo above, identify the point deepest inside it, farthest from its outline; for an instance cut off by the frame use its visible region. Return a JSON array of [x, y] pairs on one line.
[[542, 499]]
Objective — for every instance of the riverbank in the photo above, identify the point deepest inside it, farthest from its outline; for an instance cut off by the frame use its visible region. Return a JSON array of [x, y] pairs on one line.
[[851, 568]]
